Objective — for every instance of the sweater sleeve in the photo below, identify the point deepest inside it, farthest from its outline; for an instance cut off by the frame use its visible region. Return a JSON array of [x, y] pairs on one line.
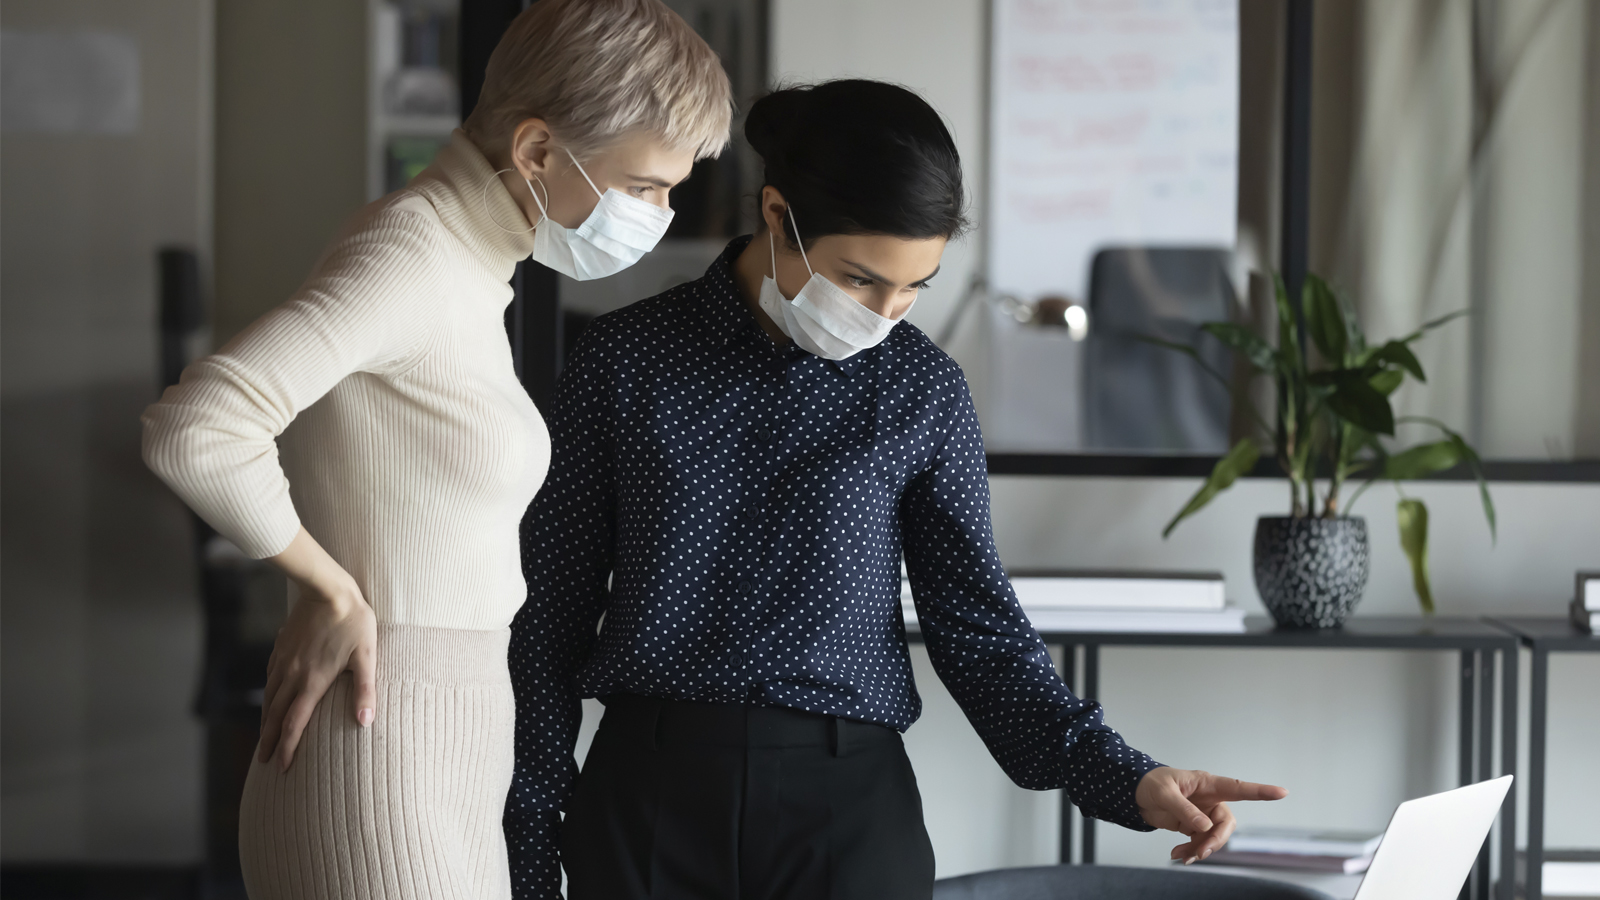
[[568, 550], [212, 436], [987, 652]]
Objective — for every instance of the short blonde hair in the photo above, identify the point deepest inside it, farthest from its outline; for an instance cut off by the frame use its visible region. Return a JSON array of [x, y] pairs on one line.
[[596, 70]]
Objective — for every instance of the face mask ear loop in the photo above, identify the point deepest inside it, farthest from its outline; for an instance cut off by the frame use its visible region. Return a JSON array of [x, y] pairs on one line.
[[485, 198], [772, 249], [543, 213], [584, 174], [797, 241]]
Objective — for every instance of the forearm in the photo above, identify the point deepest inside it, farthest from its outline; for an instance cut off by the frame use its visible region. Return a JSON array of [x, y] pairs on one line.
[[371, 306], [549, 713], [1043, 736], [319, 575]]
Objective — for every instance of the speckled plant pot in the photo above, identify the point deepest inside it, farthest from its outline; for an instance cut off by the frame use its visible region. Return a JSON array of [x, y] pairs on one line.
[[1310, 572]]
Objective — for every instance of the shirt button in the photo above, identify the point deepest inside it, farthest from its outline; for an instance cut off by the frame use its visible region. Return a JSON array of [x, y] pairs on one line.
[[753, 513], [764, 434], [736, 659], [746, 587]]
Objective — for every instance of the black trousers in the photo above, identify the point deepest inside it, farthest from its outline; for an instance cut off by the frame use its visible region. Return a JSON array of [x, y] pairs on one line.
[[701, 801]]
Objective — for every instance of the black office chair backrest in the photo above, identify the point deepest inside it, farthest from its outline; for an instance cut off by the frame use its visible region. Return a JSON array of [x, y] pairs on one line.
[[1140, 396], [1106, 882]]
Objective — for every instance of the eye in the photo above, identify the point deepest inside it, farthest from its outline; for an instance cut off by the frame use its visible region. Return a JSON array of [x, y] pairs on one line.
[[857, 281], [922, 285], [640, 190]]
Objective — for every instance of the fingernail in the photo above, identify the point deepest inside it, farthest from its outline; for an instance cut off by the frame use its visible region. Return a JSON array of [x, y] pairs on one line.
[[364, 717], [1189, 861]]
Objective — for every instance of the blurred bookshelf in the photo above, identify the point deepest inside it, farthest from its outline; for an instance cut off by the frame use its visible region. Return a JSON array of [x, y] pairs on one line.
[[413, 99]]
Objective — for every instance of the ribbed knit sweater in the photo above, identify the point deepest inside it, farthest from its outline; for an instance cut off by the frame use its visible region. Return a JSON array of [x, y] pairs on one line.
[[413, 450]]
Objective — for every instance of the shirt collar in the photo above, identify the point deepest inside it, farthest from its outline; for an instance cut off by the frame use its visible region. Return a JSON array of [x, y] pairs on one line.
[[723, 313], [715, 304]]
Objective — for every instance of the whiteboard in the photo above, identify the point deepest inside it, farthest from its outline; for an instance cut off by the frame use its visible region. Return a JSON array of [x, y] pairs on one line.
[[1111, 123]]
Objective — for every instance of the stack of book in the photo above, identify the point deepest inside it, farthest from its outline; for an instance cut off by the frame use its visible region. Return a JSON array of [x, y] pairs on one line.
[[1586, 603], [1303, 850], [1108, 601]]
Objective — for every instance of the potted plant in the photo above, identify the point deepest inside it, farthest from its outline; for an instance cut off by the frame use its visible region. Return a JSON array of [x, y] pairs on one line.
[[1311, 565]]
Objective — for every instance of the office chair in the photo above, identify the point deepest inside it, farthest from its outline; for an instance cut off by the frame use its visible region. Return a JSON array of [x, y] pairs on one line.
[[1099, 882], [1144, 397]]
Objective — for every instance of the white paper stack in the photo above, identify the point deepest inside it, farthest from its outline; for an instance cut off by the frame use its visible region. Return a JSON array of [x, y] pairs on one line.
[[1110, 601], [1195, 591], [1586, 603], [1301, 849], [1571, 879]]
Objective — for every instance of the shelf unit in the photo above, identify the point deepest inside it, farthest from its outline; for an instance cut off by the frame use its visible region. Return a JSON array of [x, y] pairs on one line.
[[412, 65]]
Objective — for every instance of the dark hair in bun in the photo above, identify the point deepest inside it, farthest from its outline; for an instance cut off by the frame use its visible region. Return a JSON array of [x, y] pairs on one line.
[[859, 157]]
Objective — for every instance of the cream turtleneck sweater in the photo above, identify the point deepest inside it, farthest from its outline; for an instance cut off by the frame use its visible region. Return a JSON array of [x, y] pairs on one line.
[[414, 450]]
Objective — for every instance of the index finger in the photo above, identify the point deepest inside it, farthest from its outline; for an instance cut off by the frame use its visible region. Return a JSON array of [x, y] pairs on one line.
[[1226, 789]]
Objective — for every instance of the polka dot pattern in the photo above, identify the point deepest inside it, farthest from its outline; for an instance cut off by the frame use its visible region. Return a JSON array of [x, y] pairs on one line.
[[724, 521]]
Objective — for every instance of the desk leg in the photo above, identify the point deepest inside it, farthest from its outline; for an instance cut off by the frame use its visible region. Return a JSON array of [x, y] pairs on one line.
[[1537, 722], [1091, 691], [1508, 766], [1470, 719], [1069, 664], [1469, 699], [1486, 667]]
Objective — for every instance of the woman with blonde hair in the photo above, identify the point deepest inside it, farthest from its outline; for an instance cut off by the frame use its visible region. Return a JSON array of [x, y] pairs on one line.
[[387, 725]]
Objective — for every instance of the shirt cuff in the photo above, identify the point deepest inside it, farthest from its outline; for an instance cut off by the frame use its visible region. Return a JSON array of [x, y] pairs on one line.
[[1108, 776], [533, 848]]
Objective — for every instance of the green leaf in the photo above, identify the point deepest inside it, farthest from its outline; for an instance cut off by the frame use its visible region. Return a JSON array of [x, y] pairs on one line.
[[1358, 339], [1355, 440], [1288, 330], [1240, 460], [1422, 460], [1188, 351], [1476, 465], [1387, 381], [1470, 456], [1435, 323], [1413, 518], [1240, 400], [1397, 353], [1356, 401], [1324, 319], [1246, 342]]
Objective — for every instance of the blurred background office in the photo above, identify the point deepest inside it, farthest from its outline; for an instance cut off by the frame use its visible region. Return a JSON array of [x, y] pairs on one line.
[[1454, 163]]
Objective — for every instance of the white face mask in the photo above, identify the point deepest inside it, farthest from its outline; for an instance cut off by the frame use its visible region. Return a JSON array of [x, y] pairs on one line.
[[619, 231], [822, 318]]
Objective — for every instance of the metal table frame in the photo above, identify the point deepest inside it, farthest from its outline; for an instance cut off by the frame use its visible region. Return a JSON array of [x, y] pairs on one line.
[[1543, 636], [1477, 643]]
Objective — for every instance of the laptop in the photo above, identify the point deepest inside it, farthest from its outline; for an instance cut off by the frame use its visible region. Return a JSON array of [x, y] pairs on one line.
[[1432, 842]]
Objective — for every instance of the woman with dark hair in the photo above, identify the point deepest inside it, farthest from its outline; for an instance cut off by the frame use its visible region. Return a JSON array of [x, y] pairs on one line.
[[738, 466]]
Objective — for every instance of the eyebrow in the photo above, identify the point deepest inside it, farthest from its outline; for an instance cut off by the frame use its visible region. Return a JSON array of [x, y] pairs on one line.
[[658, 182], [876, 277]]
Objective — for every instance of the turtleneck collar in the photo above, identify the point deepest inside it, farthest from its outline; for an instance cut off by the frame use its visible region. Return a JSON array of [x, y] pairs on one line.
[[475, 205]]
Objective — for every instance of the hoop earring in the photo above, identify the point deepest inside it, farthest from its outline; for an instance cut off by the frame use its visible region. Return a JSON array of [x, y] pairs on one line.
[[484, 199]]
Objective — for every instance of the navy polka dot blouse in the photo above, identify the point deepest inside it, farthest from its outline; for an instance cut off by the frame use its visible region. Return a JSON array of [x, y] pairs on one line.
[[724, 520]]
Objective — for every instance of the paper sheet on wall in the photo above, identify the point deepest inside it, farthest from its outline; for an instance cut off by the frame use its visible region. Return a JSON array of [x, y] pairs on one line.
[[1112, 123]]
